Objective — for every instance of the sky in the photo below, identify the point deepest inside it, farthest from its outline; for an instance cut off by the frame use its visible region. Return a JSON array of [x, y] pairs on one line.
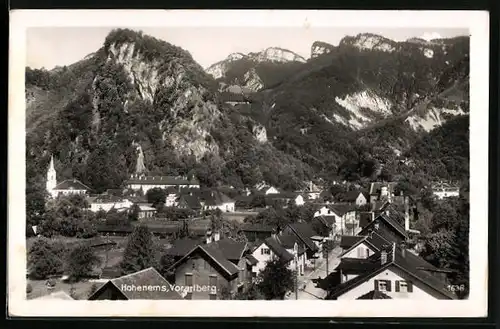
[[49, 47]]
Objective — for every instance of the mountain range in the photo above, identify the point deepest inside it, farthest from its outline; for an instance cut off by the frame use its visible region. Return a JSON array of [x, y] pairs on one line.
[[351, 111]]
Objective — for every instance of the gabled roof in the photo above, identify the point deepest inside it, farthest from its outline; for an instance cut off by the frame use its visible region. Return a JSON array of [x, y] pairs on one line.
[[288, 241], [374, 239], [278, 249], [355, 265], [231, 249], [374, 294], [215, 198], [216, 255], [145, 278], [191, 201], [251, 260], [181, 247], [327, 220], [365, 218], [393, 221], [347, 241], [350, 196], [71, 184], [342, 209], [304, 231], [407, 262]]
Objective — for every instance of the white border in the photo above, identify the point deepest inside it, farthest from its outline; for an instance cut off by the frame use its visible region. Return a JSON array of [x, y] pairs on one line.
[[478, 24]]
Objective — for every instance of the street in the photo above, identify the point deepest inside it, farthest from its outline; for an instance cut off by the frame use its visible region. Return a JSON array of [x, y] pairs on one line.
[[307, 288]]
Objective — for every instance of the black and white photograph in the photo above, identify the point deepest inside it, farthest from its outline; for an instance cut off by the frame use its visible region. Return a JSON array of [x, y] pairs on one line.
[[292, 160]]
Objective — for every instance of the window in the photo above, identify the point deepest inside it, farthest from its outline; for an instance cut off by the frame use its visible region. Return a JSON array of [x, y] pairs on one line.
[[403, 286], [188, 279], [382, 285], [213, 286], [367, 252], [265, 251]]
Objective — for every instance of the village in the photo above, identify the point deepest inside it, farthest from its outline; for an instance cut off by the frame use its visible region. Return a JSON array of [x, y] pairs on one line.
[[357, 244]]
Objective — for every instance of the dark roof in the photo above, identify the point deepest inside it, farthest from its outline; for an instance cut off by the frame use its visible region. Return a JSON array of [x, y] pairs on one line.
[[347, 241], [327, 220], [350, 196], [342, 209], [230, 248], [111, 272], [220, 258], [181, 247], [374, 294], [107, 198], [215, 254], [215, 198], [251, 260], [288, 241], [365, 218], [191, 201], [247, 227], [305, 231], [145, 278], [393, 220], [71, 184], [355, 265], [282, 195], [278, 249], [408, 262], [161, 180]]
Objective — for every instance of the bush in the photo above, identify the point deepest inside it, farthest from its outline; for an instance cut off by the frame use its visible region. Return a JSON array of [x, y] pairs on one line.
[[45, 259]]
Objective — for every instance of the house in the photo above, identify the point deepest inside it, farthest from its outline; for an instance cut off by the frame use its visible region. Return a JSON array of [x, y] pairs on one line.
[[145, 183], [445, 190], [270, 248], [181, 247], [146, 211], [324, 226], [324, 210], [395, 272], [381, 191], [212, 200], [220, 265], [354, 197], [299, 200], [346, 221], [189, 201], [361, 247], [306, 237], [146, 284], [284, 198], [389, 225], [265, 189], [312, 191], [66, 187], [254, 232], [106, 202]]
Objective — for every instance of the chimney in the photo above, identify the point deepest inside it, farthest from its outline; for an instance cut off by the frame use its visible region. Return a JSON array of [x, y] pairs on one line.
[[407, 213], [216, 236], [403, 249], [393, 251], [383, 257]]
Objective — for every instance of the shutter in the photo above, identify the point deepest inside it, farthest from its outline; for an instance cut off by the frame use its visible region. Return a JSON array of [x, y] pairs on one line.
[[262, 251], [410, 286], [388, 285], [397, 286], [376, 285]]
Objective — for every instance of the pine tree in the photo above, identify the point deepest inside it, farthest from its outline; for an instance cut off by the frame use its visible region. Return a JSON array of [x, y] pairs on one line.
[[140, 251]]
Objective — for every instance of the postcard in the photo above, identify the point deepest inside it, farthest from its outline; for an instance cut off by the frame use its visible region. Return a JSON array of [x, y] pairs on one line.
[[194, 163]]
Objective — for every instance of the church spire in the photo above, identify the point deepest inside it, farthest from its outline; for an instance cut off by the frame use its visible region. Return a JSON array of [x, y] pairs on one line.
[[51, 176]]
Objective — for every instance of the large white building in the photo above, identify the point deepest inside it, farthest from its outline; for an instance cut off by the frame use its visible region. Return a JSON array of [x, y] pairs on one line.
[[66, 187], [145, 183]]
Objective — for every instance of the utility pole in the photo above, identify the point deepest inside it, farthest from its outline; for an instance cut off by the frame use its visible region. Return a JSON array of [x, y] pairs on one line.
[[296, 277]]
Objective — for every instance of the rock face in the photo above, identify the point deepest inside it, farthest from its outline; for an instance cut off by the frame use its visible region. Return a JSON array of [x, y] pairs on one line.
[[370, 41], [243, 68], [319, 48]]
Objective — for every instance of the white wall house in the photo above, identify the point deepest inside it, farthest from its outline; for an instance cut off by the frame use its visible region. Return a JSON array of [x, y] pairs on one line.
[[388, 282], [362, 250], [227, 206], [107, 205], [271, 190], [263, 253], [323, 211], [299, 200], [66, 187], [442, 193], [361, 200], [145, 183]]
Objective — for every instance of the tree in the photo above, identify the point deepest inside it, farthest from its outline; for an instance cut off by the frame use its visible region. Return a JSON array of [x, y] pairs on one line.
[[275, 280], [156, 196], [45, 259], [81, 263], [252, 293], [133, 214], [139, 253], [166, 261], [258, 201]]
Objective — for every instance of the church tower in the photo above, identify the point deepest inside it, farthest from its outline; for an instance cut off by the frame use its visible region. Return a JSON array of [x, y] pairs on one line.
[[51, 176]]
